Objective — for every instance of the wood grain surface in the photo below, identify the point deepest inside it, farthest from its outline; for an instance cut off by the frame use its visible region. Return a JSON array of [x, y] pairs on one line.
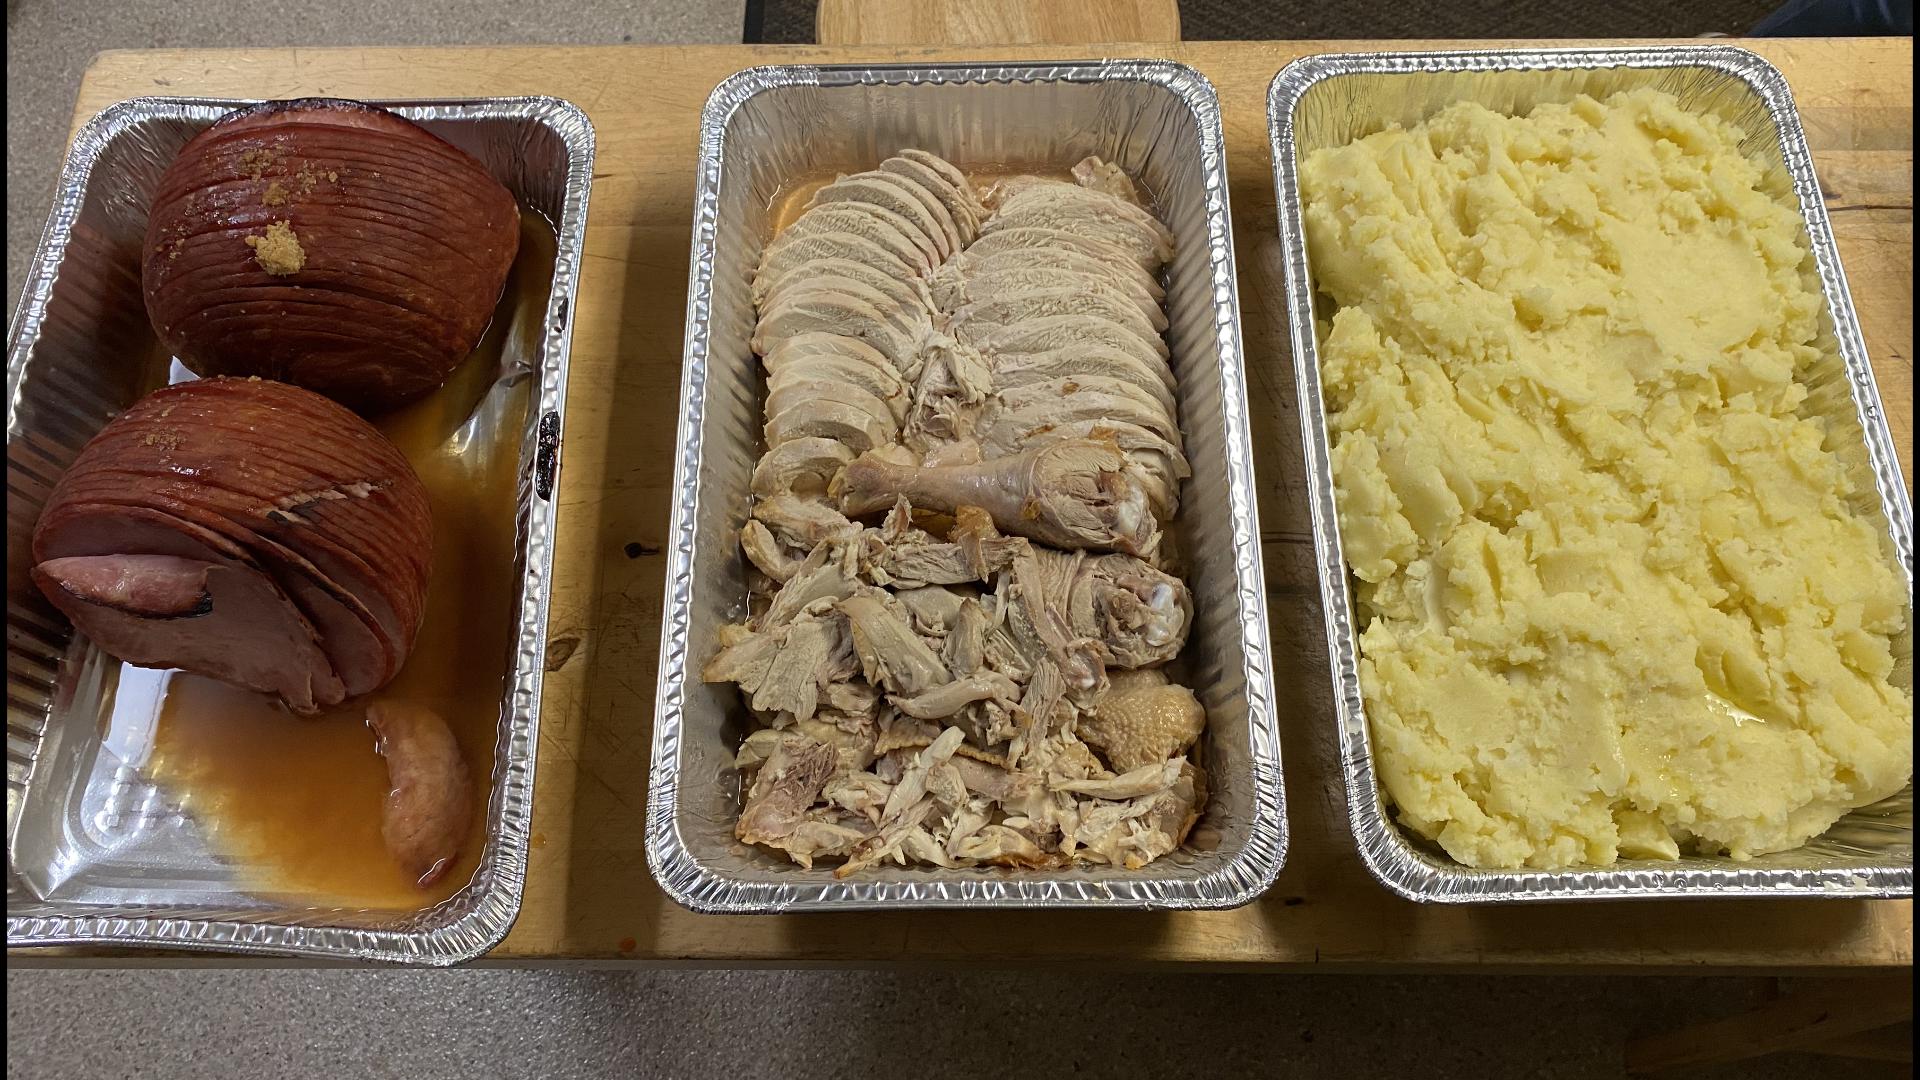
[[974, 22], [589, 896]]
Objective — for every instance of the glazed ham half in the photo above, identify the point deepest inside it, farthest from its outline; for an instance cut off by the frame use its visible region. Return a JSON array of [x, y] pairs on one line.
[[329, 244], [247, 530]]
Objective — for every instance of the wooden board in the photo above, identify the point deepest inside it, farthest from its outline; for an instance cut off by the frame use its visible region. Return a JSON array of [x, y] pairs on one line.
[[589, 897], [976, 22]]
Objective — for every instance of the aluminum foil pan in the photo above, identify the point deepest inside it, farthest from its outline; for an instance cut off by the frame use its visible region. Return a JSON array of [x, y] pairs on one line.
[[96, 853], [767, 127], [1332, 99]]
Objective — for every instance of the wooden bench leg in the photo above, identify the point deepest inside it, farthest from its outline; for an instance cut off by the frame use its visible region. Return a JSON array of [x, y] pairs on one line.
[[1827, 1016]]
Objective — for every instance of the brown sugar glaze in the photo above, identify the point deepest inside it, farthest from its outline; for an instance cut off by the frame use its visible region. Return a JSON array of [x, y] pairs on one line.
[[296, 802]]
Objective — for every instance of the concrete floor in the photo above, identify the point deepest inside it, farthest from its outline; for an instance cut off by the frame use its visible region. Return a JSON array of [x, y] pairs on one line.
[[565, 1024], [294, 1024]]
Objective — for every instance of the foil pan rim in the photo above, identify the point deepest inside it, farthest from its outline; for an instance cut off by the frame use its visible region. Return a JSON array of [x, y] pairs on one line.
[[504, 860], [1385, 849], [1238, 881]]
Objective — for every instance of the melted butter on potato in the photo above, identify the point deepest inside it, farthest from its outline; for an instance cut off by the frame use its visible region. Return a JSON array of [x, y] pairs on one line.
[[1619, 596]]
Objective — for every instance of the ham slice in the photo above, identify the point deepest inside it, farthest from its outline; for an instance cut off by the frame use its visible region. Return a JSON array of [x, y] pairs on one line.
[[149, 586], [314, 527], [242, 630]]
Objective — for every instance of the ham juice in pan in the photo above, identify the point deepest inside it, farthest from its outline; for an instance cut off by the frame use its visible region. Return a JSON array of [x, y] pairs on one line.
[[302, 797], [297, 801]]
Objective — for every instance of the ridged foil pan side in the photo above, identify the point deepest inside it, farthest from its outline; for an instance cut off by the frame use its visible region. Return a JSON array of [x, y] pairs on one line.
[[767, 127], [1331, 99], [82, 307]]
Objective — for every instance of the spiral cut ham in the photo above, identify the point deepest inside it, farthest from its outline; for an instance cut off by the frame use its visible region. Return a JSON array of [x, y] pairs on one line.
[[328, 244], [247, 530]]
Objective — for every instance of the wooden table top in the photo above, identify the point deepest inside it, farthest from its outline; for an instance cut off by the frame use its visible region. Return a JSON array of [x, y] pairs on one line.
[[589, 897]]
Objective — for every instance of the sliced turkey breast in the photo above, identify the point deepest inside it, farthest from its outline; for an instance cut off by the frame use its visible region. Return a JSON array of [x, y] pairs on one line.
[[1026, 412], [1045, 238], [860, 429], [839, 313], [981, 318], [881, 382], [1087, 361], [945, 183], [882, 226], [788, 252], [951, 291], [1033, 392], [1069, 207], [795, 347], [798, 393], [1063, 331], [913, 319], [902, 196], [908, 291]]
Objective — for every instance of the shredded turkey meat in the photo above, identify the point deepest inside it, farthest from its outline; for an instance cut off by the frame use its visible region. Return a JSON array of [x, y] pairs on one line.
[[961, 606]]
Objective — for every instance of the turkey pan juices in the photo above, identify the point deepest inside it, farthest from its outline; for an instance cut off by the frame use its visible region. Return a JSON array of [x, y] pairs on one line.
[[380, 806], [964, 604], [1681, 722]]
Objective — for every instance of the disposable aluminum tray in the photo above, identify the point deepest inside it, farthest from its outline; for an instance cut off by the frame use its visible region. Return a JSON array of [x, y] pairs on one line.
[[96, 852], [768, 127], [1332, 99]]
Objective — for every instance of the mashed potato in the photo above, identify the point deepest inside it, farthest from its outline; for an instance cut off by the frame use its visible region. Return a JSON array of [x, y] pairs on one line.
[[1615, 601]]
